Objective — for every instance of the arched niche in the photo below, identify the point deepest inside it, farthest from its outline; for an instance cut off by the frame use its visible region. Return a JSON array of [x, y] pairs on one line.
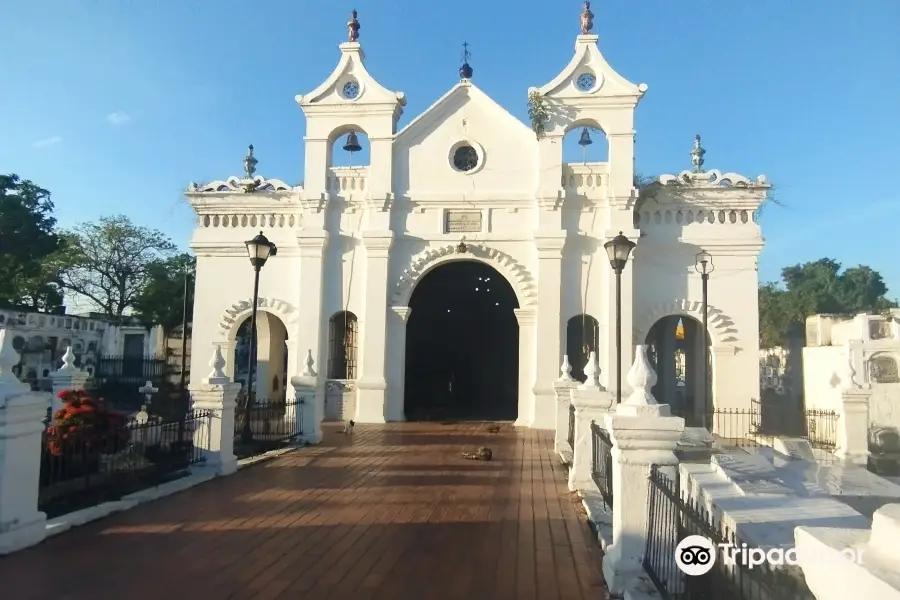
[[338, 157], [582, 338], [271, 378], [585, 130]]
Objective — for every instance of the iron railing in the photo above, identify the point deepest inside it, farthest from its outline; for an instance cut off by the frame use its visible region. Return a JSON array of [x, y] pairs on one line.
[[272, 425], [671, 519], [571, 435], [83, 469], [602, 463]]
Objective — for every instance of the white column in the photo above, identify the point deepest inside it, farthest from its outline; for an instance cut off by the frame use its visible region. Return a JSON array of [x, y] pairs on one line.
[[396, 362], [68, 377], [853, 427], [21, 425], [563, 387], [665, 357], [305, 386], [310, 330], [549, 246], [527, 318], [216, 393], [643, 434], [372, 384], [591, 403]]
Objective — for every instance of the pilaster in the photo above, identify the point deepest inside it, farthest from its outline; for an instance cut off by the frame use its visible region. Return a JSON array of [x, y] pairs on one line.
[[398, 317], [549, 245], [527, 318], [372, 385]]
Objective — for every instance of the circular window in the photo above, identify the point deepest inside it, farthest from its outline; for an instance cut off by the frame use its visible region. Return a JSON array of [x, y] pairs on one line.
[[586, 82], [465, 158]]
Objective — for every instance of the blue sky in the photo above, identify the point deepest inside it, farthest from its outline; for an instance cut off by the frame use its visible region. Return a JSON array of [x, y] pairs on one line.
[[116, 105]]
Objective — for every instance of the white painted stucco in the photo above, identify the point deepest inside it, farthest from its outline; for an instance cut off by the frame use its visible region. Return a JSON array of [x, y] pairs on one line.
[[359, 238]]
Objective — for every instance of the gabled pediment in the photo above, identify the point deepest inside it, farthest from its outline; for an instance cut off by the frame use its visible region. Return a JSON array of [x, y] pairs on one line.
[[463, 93], [351, 84], [588, 76]]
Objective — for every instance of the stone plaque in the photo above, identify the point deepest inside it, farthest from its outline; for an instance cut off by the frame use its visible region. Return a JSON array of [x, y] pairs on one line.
[[796, 448], [884, 369], [462, 221]]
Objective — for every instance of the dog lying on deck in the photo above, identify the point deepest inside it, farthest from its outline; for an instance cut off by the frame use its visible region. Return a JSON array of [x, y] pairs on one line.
[[348, 427]]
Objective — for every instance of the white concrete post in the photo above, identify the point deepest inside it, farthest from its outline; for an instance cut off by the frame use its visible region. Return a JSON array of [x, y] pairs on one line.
[[372, 383], [549, 245], [68, 377], [591, 402], [853, 427], [643, 434], [527, 318], [852, 563], [562, 387], [216, 393], [305, 389], [21, 425]]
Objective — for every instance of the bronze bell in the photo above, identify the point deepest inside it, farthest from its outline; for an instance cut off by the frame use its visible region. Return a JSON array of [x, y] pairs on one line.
[[585, 138], [352, 144]]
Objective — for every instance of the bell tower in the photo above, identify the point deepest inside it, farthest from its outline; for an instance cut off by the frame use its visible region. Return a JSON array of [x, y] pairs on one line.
[[350, 101]]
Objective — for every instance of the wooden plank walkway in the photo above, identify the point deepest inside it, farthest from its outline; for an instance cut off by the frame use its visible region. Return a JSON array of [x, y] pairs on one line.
[[391, 512]]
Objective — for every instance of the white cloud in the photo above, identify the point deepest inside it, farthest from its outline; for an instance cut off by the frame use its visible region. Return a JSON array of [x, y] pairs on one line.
[[46, 143], [118, 118]]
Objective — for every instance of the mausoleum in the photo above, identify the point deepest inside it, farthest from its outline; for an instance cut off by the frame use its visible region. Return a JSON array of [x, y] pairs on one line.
[[448, 277]]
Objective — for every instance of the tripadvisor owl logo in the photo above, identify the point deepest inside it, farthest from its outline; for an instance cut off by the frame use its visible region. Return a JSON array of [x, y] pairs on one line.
[[695, 555]]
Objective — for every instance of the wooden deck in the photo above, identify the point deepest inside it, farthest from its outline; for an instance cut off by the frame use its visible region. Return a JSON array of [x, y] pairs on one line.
[[391, 512]]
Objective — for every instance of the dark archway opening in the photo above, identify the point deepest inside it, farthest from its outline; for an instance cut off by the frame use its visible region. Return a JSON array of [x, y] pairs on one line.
[[462, 345], [676, 353], [582, 338]]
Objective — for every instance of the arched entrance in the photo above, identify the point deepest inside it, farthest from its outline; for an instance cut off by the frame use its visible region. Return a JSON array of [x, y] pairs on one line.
[[462, 345], [676, 352], [270, 380]]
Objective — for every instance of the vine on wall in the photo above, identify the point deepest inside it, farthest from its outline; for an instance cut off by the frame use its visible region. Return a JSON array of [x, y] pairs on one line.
[[538, 113]]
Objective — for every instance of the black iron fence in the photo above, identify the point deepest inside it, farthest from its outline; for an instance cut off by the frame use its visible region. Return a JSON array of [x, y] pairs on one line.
[[762, 422], [602, 463], [96, 463], [118, 379], [672, 518], [571, 435], [272, 425]]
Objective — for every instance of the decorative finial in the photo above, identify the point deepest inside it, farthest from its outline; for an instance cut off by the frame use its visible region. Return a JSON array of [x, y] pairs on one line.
[[592, 372], [587, 19], [461, 247], [217, 364], [697, 155], [353, 27], [250, 163], [68, 360], [565, 369], [466, 71], [309, 371], [9, 358], [642, 378]]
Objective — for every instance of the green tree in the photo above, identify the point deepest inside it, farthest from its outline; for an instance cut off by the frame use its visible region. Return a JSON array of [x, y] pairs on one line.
[[110, 261], [161, 301], [812, 288], [29, 245]]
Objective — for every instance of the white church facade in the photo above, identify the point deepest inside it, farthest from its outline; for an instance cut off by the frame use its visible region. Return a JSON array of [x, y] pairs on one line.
[[449, 276]]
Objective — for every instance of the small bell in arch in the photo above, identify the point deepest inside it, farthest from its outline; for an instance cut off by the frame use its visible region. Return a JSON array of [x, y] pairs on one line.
[[352, 144], [585, 139]]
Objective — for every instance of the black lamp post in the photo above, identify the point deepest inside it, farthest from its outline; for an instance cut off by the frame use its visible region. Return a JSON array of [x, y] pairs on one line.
[[704, 266], [259, 249], [618, 249], [185, 404]]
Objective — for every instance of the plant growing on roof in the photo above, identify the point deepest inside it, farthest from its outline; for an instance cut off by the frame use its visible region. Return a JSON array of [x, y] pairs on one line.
[[538, 113]]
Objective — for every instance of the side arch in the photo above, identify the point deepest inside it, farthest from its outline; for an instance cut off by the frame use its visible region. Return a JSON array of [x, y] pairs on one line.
[[515, 273], [722, 330], [232, 318]]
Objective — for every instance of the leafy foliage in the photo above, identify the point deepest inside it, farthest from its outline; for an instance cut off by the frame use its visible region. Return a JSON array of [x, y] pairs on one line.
[[538, 113], [84, 424], [109, 262], [813, 288], [161, 301], [29, 245]]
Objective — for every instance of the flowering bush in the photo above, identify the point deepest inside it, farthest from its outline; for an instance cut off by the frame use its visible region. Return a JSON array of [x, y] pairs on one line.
[[86, 424]]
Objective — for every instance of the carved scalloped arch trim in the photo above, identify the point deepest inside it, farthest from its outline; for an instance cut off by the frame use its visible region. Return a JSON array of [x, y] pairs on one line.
[[232, 317], [236, 184], [712, 179], [518, 276], [722, 329]]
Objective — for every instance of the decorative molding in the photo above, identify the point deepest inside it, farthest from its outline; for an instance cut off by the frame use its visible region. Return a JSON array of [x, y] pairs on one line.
[[713, 179], [722, 329], [526, 316], [243, 186], [402, 311], [234, 316], [518, 276]]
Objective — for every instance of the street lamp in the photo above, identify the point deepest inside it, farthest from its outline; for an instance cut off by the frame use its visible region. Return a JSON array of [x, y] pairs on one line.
[[259, 249], [704, 265], [185, 404], [618, 249]]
